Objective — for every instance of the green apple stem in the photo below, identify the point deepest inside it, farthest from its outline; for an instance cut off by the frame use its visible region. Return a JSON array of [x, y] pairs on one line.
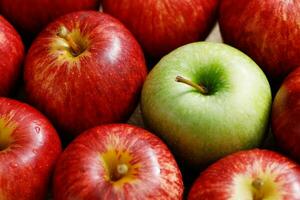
[[201, 88], [65, 34]]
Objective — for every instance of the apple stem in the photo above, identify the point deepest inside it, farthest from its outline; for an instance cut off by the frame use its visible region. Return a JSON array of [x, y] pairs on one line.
[[65, 34], [201, 88], [122, 169], [257, 183]]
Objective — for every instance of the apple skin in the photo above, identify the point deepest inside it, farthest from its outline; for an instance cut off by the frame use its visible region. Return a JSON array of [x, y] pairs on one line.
[[31, 16], [202, 128], [266, 30], [253, 174], [286, 115], [29, 148], [12, 54], [99, 86], [86, 168], [162, 26]]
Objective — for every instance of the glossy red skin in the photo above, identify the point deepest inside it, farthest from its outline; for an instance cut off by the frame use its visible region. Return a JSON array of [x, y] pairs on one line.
[[11, 56], [26, 166], [266, 30], [31, 16], [103, 88], [286, 115], [162, 26], [216, 180], [79, 173]]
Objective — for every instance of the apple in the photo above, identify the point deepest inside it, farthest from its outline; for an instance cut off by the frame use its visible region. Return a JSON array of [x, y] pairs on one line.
[[253, 174], [12, 54], [85, 69], [117, 161], [162, 26], [29, 148], [207, 100], [266, 30], [286, 115], [31, 16]]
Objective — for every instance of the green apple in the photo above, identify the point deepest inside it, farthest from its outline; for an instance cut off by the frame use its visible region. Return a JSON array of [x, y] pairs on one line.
[[207, 100]]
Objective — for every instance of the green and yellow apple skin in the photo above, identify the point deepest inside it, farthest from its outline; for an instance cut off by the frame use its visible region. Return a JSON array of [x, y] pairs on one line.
[[201, 128]]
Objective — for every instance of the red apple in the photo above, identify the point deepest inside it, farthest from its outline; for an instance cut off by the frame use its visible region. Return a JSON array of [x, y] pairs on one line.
[[11, 56], [267, 30], [114, 162], [29, 147], [253, 174], [31, 16], [286, 115], [83, 70], [162, 26]]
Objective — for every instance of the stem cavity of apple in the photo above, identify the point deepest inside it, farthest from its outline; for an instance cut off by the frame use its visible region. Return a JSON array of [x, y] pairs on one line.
[[65, 34], [4, 144], [201, 88], [120, 171]]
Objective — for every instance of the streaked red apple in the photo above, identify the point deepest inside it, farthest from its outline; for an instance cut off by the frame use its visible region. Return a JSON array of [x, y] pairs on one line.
[[266, 30], [11, 56], [31, 16], [114, 162], [162, 26], [253, 174], [286, 115], [85, 69], [29, 147]]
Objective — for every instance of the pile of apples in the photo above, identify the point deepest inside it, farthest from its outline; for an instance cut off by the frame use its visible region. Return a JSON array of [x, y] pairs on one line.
[[72, 72]]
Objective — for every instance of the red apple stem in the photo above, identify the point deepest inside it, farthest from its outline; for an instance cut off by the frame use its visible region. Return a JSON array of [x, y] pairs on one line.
[[65, 34], [201, 88]]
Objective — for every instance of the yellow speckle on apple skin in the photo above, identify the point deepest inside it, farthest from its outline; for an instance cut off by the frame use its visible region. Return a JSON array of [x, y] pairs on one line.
[[2, 38]]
